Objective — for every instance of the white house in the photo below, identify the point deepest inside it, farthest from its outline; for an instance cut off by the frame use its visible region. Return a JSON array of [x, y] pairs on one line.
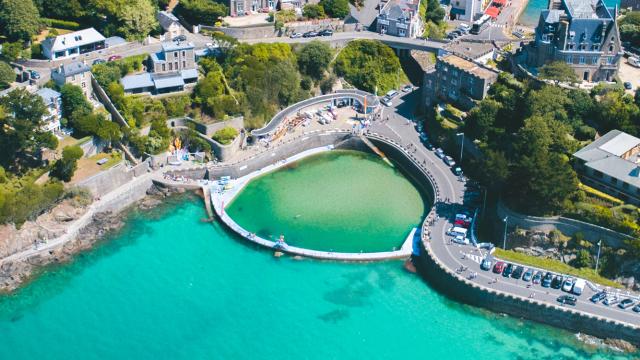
[[53, 101], [73, 44]]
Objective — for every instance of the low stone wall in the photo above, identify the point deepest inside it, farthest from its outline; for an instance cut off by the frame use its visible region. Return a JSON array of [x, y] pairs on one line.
[[286, 150], [225, 152], [268, 30], [108, 180], [207, 129], [463, 290], [567, 226]]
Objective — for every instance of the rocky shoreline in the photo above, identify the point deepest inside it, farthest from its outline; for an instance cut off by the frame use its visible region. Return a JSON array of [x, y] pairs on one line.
[[15, 273]]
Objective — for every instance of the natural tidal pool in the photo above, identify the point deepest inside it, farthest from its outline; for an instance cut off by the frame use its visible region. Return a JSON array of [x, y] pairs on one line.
[[168, 286], [343, 201]]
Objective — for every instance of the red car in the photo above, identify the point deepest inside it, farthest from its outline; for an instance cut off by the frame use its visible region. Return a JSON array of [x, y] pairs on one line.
[[461, 223], [114, 57], [498, 267]]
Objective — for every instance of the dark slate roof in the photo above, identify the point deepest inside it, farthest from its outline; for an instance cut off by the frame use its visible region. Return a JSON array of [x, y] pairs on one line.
[[73, 68], [604, 155], [166, 19]]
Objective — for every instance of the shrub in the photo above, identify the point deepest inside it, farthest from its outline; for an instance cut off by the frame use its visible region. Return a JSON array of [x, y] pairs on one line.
[[225, 135], [61, 24], [177, 106]]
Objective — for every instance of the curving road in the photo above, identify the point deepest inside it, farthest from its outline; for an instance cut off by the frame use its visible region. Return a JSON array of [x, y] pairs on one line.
[[453, 256]]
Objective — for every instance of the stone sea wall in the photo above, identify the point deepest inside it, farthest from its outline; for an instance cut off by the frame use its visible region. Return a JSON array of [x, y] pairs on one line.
[[562, 317]]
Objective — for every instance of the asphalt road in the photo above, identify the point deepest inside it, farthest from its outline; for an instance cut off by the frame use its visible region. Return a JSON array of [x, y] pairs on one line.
[[400, 128]]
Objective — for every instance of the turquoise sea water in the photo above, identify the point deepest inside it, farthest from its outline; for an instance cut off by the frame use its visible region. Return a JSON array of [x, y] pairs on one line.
[[346, 201], [169, 286], [531, 13]]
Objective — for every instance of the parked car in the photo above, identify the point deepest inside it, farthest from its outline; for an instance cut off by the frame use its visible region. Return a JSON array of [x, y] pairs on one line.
[[567, 299], [424, 138], [464, 28], [546, 280], [517, 273], [449, 160], [611, 301], [440, 153], [114, 57], [636, 308], [327, 32], [557, 282], [407, 88], [310, 34], [527, 275], [498, 267], [597, 297], [295, 35], [457, 170], [507, 270], [627, 85], [485, 264], [34, 74], [567, 285], [391, 94], [180, 38], [385, 101], [625, 304], [537, 277], [99, 61]]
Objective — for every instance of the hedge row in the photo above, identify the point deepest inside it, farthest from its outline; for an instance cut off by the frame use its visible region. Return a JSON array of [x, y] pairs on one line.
[[61, 24]]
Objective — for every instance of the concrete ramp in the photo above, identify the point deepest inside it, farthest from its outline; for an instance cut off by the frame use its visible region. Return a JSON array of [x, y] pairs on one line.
[[376, 150]]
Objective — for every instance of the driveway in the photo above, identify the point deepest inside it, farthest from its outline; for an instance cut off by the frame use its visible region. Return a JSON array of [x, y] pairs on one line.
[[630, 74]]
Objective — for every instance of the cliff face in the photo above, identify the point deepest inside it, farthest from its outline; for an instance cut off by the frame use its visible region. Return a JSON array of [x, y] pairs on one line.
[[47, 226]]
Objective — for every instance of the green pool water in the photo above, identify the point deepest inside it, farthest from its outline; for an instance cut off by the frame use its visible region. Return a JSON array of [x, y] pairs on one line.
[[171, 287], [344, 201]]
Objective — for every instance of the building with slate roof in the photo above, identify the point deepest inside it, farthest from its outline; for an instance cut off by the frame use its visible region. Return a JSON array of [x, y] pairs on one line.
[[76, 73], [72, 44], [611, 164], [170, 24], [582, 33], [400, 18], [170, 70]]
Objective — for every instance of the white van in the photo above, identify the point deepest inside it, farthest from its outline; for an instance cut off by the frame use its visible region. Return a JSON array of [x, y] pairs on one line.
[[633, 61], [458, 231], [578, 287], [391, 94]]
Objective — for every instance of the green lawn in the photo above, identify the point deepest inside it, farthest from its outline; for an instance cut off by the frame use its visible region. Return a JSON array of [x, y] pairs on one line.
[[555, 266]]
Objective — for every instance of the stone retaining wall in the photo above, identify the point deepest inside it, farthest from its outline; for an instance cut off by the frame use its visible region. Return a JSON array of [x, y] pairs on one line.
[[105, 181], [461, 289], [566, 226]]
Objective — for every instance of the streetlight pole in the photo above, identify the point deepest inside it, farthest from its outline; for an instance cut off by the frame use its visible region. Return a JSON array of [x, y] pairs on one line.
[[598, 257], [461, 145], [504, 238]]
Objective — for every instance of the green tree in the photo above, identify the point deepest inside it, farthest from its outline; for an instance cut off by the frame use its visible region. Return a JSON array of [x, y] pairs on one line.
[[137, 19], [12, 51], [434, 12], [336, 8], [494, 169], [314, 59], [19, 19], [106, 74], [583, 259], [369, 64], [481, 120], [62, 9], [313, 11], [65, 167], [7, 75], [73, 99], [205, 12], [21, 133], [108, 131], [541, 179], [558, 71]]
